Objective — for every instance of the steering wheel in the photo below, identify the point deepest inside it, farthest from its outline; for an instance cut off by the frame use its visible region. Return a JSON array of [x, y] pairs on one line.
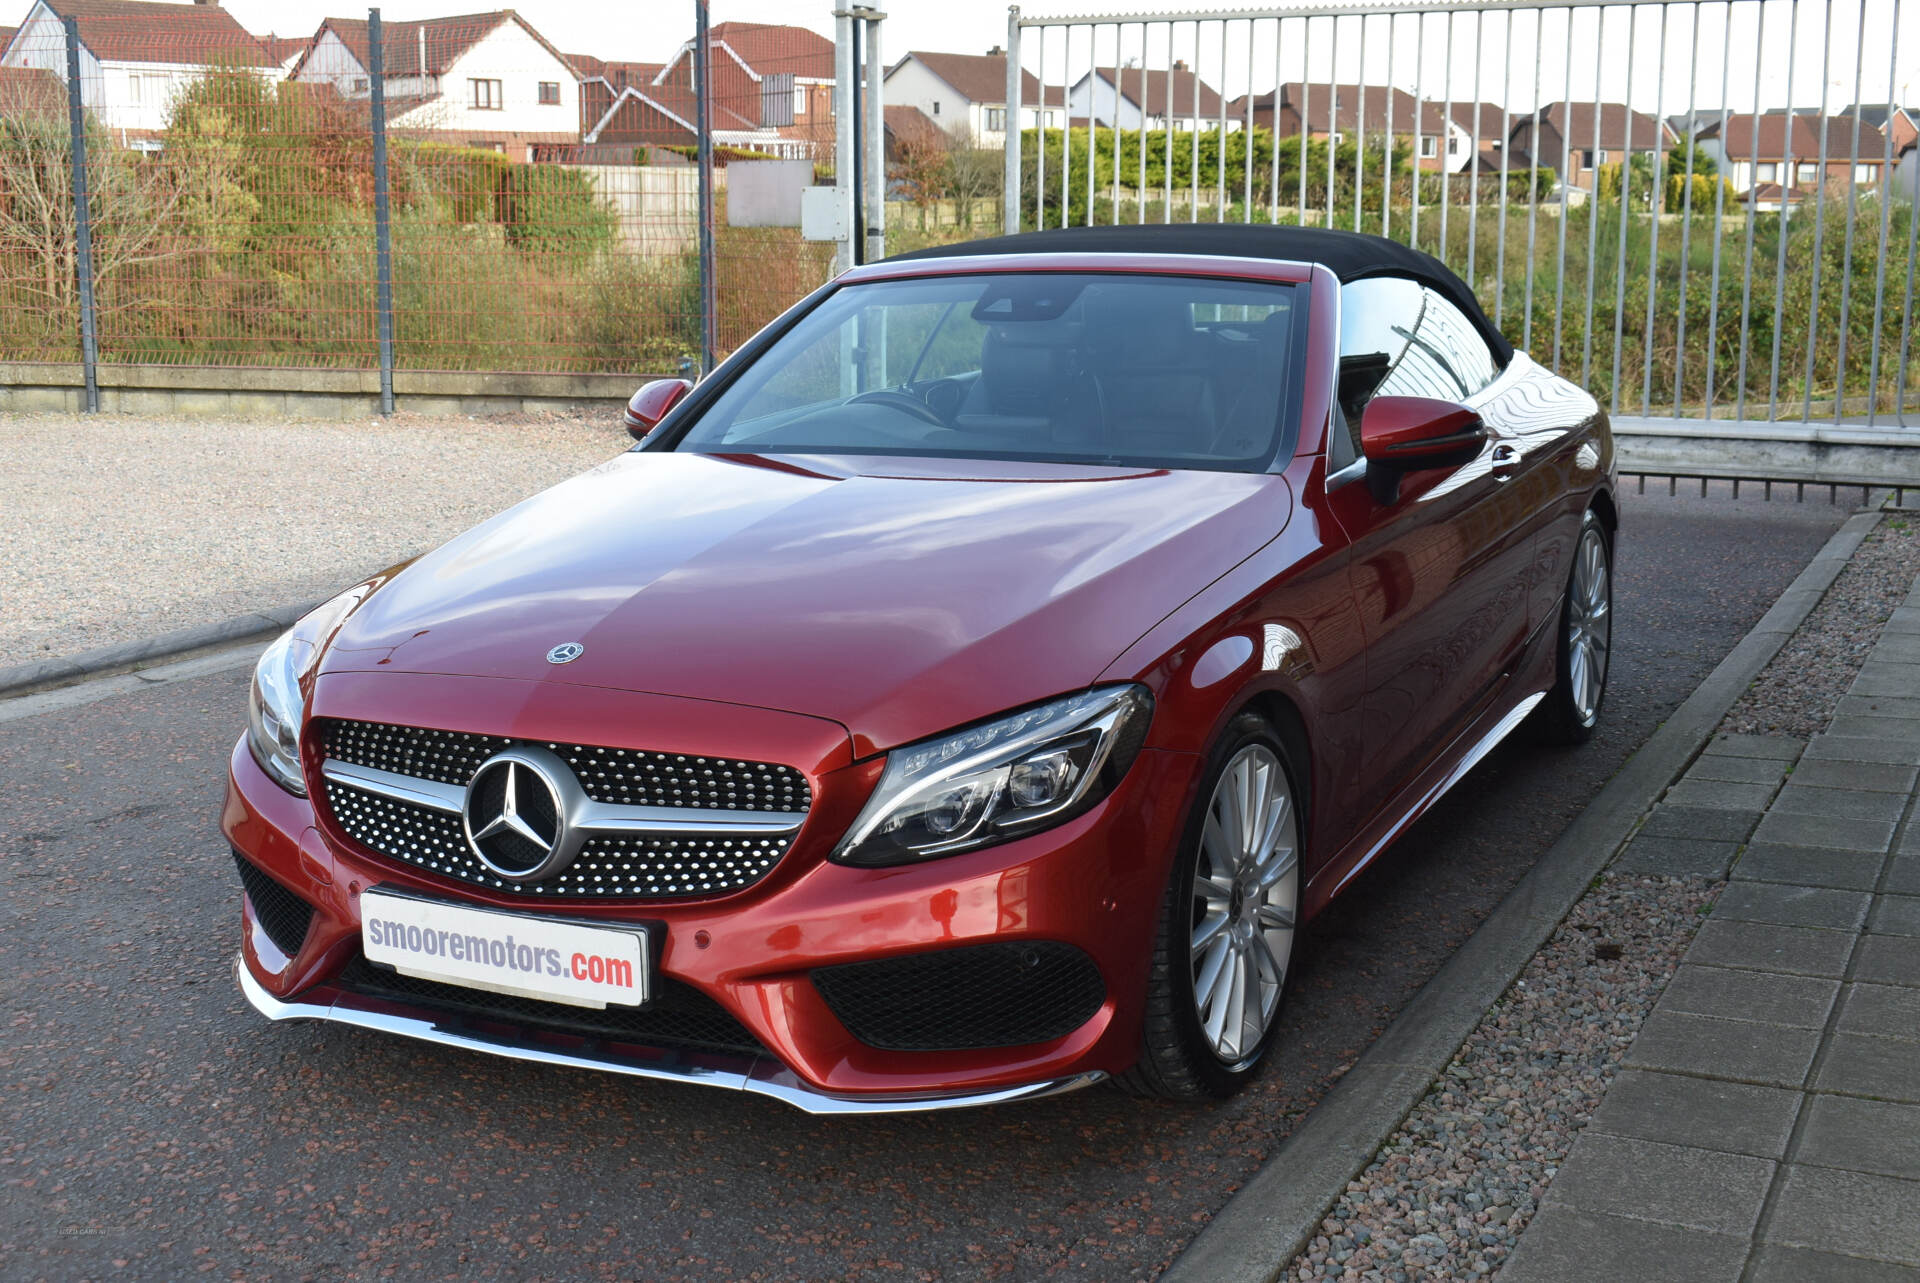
[[900, 401]]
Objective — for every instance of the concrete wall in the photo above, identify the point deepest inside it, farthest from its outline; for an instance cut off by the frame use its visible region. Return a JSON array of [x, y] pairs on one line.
[[208, 391], [656, 207]]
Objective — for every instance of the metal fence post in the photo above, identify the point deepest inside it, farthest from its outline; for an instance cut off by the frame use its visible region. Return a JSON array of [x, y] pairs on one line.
[[382, 222], [874, 121], [845, 193], [82, 220], [1010, 183], [703, 115]]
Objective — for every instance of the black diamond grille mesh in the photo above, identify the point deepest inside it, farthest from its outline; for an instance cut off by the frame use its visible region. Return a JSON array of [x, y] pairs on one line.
[[620, 776], [651, 867], [1005, 994]]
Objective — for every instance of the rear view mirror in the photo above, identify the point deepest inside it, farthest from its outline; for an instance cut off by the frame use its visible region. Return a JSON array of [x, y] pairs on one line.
[[651, 403], [1402, 434]]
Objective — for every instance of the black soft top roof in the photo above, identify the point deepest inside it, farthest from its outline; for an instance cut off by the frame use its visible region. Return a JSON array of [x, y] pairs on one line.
[[1350, 256]]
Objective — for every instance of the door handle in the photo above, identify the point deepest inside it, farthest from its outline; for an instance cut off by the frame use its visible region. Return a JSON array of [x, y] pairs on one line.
[[1506, 460]]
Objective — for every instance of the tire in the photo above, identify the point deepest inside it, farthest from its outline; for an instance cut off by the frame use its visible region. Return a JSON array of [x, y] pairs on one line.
[[1242, 927], [1571, 709]]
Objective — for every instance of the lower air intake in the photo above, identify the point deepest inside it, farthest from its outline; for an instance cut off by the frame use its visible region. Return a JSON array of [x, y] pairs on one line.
[[679, 1017], [283, 915], [1006, 994]]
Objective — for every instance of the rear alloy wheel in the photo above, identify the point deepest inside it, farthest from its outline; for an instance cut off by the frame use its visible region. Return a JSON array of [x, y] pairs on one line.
[[1572, 708], [1227, 926]]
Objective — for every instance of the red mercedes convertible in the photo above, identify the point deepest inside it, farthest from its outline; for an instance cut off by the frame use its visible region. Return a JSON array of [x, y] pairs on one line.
[[964, 694]]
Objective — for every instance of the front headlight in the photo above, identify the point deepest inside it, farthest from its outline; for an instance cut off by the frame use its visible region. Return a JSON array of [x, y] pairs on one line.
[[273, 712], [1001, 779], [274, 704]]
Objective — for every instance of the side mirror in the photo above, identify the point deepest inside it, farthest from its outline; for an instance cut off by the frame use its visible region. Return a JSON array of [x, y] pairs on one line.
[[1402, 434], [650, 405]]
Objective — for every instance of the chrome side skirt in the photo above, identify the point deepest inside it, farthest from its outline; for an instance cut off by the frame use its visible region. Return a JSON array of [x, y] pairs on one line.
[[762, 1076], [1472, 758]]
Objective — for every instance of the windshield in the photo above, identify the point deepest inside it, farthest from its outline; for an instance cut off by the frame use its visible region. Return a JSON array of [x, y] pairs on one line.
[[1162, 371]]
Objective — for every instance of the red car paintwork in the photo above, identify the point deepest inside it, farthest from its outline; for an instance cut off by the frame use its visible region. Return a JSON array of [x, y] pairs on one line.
[[819, 611]]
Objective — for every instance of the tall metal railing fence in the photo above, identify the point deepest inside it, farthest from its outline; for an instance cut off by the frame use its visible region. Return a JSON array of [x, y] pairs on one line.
[[1691, 206], [450, 195]]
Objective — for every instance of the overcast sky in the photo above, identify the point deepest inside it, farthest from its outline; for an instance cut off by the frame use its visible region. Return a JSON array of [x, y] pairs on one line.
[[1415, 57]]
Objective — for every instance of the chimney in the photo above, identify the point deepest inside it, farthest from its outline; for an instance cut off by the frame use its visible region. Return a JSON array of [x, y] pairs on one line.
[[1179, 64], [996, 52]]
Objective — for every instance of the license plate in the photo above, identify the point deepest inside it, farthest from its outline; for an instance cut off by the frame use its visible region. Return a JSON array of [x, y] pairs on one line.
[[532, 957]]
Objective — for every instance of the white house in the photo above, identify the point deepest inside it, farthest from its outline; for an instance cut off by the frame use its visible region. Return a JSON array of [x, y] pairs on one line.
[[484, 80], [135, 57], [1154, 98], [967, 93]]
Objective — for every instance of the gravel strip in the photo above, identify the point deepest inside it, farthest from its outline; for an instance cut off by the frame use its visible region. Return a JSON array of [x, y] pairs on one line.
[[114, 528], [1449, 1195], [1796, 693]]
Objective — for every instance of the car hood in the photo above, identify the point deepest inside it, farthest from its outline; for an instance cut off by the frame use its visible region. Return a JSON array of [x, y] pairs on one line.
[[896, 596]]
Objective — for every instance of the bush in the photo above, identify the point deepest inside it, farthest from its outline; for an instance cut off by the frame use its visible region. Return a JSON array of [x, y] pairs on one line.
[[551, 209]]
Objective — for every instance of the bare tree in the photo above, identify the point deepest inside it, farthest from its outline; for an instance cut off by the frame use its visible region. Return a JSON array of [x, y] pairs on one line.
[[130, 207], [973, 172]]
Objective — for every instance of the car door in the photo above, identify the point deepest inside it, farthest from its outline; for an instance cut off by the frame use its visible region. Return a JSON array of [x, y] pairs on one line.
[[1440, 574]]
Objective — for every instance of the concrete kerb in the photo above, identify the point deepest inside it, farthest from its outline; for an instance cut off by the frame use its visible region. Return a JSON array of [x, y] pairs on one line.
[[1275, 1214], [46, 674]]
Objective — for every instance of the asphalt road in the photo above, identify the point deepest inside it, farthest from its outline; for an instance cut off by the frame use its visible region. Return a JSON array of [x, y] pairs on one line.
[[151, 1126]]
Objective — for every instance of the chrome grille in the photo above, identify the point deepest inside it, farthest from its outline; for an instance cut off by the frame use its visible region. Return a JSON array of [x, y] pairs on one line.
[[644, 865], [619, 776]]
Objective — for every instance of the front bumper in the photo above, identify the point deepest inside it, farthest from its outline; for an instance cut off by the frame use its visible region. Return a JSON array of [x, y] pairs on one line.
[[1094, 883], [757, 1075]]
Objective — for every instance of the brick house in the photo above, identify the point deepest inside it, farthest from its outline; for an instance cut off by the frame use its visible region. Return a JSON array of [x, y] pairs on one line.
[[135, 56], [1776, 157], [1339, 111], [486, 80], [963, 92], [772, 92], [1172, 97], [1562, 137]]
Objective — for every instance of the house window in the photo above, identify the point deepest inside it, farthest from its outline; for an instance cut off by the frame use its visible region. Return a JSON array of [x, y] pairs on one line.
[[936, 106], [1429, 148], [1334, 138], [1603, 156], [1586, 158], [359, 84], [549, 92], [1453, 146], [996, 120], [486, 95], [1807, 173], [1767, 173], [800, 100], [1863, 173]]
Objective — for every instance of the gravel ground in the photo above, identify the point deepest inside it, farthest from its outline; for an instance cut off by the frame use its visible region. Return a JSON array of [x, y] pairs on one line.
[[1795, 694], [1449, 1195], [114, 528]]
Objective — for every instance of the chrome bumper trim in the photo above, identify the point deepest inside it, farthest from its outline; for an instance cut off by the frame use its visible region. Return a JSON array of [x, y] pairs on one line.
[[759, 1075]]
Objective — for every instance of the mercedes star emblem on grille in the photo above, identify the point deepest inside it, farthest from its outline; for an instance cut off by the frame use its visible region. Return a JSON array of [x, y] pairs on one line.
[[566, 653], [516, 816]]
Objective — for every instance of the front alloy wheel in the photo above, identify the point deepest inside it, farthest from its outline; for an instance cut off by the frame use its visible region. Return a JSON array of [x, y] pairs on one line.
[[1226, 937], [1572, 708], [1245, 892]]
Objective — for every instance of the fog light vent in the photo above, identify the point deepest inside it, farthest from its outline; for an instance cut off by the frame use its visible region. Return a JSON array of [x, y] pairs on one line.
[[283, 915], [1005, 994]]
